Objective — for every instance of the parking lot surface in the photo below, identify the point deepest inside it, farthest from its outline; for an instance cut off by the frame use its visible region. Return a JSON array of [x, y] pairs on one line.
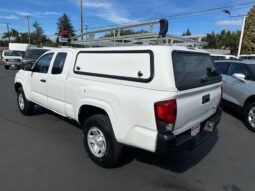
[[45, 152]]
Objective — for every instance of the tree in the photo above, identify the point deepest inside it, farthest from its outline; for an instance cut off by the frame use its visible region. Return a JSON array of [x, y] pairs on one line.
[[224, 40], [64, 22], [12, 33], [248, 46], [187, 33], [125, 32], [37, 35]]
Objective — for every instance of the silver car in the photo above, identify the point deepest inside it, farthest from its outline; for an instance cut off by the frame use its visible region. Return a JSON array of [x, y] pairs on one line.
[[239, 87]]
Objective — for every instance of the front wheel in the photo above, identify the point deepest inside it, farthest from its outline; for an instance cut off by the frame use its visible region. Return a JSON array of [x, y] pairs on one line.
[[250, 116], [26, 107], [7, 67], [99, 141]]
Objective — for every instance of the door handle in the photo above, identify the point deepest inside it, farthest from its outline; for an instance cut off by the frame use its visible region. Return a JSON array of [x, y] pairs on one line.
[[43, 80]]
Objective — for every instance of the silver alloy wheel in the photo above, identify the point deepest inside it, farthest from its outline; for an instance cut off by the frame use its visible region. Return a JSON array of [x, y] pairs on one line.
[[21, 101], [96, 142], [251, 117]]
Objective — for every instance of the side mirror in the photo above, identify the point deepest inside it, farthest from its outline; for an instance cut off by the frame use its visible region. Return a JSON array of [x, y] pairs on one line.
[[239, 76]]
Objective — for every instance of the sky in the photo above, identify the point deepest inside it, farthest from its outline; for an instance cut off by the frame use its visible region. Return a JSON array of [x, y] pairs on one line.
[[99, 13]]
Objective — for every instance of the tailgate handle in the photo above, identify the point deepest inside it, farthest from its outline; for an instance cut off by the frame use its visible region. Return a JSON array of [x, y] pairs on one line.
[[205, 98]]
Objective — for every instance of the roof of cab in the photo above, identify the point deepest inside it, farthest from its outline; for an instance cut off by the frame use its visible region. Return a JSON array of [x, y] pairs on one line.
[[155, 47]]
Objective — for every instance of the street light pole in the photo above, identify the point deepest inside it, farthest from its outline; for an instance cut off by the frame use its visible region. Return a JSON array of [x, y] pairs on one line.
[[241, 37], [81, 17], [28, 28], [226, 11], [8, 32]]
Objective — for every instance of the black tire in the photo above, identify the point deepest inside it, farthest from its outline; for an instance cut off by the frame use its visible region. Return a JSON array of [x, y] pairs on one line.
[[28, 107], [248, 109], [113, 149], [7, 67]]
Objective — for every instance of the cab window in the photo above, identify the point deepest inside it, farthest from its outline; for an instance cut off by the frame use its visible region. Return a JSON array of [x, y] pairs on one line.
[[59, 62], [42, 65], [222, 67], [238, 68]]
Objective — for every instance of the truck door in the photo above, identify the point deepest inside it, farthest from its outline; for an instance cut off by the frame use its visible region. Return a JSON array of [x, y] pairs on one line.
[[39, 79], [55, 87]]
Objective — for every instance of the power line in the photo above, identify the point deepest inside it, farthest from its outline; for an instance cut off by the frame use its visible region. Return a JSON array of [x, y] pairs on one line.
[[192, 13]]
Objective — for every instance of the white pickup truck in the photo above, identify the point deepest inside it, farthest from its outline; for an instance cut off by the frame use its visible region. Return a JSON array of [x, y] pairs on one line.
[[157, 98]]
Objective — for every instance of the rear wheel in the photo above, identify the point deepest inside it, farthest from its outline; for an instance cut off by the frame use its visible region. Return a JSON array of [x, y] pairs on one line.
[[26, 107], [99, 141], [7, 67], [250, 116]]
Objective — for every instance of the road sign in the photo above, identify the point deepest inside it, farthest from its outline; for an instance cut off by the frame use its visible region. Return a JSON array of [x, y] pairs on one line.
[[62, 39]]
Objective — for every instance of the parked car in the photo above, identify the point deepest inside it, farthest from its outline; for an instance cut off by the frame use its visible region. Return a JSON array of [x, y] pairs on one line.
[[223, 57], [12, 58], [247, 57], [157, 98], [32, 55], [239, 87]]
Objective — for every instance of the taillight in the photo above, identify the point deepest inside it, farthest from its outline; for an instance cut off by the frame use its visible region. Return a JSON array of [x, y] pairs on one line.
[[165, 112]]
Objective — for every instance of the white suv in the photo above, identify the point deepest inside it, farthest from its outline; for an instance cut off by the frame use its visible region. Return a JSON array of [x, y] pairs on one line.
[[157, 98], [239, 87]]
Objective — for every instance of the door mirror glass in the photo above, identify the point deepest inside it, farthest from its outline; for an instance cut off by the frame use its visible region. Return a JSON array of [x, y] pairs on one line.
[[239, 76]]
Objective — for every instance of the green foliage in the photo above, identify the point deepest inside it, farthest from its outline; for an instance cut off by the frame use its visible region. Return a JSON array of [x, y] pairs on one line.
[[37, 36], [248, 46], [187, 33], [224, 40], [64, 22], [12, 33], [125, 32]]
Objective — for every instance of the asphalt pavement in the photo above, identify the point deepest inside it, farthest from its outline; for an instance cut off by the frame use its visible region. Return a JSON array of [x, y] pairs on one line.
[[45, 152]]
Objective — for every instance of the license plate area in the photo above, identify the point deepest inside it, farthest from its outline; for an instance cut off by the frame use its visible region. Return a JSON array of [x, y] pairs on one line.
[[195, 130]]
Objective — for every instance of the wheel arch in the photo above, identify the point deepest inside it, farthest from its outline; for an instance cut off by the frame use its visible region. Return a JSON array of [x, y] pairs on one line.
[[17, 85], [87, 110], [249, 100], [92, 107]]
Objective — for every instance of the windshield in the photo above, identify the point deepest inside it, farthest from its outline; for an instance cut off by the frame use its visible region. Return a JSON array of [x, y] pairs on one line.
[[219, 58], [6, 53], [14, 53], [252, 68], [247, 57], [33, 54], [194, 70]]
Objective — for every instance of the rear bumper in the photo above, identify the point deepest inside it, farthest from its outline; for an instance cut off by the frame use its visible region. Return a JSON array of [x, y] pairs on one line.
[[14, 64], [167, 143]]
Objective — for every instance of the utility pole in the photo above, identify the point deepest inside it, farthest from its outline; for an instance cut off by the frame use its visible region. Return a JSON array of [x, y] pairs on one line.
[[28, 28], [241, 37], [226, 11], [8, 31], [81, 17]]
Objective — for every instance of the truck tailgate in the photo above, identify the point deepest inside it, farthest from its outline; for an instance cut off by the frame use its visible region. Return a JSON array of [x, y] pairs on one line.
[[195, 106]]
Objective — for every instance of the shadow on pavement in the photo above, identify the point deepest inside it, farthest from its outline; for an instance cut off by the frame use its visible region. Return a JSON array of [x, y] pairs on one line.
[[182, 161], [178, 162], [233, 112], [38, 110]]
